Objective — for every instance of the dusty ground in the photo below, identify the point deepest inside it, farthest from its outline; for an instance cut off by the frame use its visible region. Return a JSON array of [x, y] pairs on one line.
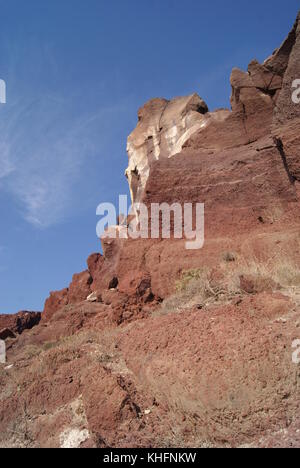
[[221, 375]]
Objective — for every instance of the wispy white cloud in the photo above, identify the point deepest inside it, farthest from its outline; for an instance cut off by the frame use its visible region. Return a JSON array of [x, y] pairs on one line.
[[48, 139], [6, 166], [40, 159], [43, 151]]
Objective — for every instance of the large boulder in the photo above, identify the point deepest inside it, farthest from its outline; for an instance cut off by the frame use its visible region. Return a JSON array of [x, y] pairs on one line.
[[19, 322]]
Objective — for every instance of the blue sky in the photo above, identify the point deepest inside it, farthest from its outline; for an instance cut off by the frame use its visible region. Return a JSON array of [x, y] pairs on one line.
[[76, 73]]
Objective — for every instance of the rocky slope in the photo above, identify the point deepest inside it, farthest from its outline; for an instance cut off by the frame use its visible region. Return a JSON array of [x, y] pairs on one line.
[[17, 323], [156, 345]]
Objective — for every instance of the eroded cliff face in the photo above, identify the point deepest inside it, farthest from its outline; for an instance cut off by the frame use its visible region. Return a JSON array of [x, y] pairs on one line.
[[286, 119], [163, 128], [157, 345], [261, 103], [243, 164]]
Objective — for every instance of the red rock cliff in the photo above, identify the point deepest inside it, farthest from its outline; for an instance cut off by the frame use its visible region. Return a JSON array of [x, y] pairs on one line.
[[156, 345]]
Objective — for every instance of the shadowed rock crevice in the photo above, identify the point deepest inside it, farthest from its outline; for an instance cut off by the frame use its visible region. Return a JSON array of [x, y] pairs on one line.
[[279, 146]]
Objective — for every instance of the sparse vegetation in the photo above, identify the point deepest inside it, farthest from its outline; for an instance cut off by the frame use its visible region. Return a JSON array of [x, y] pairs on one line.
[[198, 287], [197, 274]]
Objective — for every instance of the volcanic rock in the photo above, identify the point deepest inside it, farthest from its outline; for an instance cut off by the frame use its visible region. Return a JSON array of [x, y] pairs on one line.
[[19, 322], [163, 128], [189, 348], [6, 333]]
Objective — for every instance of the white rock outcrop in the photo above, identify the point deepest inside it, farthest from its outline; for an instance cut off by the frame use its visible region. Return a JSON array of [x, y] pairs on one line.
[[162, 130]]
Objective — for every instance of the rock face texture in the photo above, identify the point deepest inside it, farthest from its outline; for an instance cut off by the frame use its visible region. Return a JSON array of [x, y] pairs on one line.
[[157, 345], [243, 164], [163, 128], [78, 291], [287, 114], [19, 322]]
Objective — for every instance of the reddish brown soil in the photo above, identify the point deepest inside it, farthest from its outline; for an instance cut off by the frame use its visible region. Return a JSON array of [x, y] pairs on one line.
[[158, 346]]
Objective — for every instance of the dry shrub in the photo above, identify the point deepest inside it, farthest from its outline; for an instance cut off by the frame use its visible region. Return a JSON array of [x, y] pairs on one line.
[[199, 287], [196, 288]]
